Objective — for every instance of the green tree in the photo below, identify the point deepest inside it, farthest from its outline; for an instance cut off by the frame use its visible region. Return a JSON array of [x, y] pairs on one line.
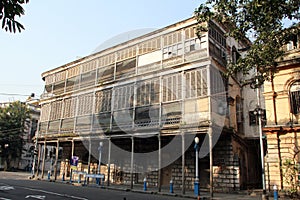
[[264, 22], [290, 172], [9, 10], [13, 123]]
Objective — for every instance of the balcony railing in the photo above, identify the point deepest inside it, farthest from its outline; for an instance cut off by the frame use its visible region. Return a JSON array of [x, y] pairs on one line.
[[106, 74], [146, 123]]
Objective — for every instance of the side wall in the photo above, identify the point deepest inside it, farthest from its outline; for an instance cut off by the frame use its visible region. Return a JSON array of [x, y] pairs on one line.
[[282, 146]]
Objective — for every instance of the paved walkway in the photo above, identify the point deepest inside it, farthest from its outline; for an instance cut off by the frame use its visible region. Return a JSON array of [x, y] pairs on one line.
[[189, 194]]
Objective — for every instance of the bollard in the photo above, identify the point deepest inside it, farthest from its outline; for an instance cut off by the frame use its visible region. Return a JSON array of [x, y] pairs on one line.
[[145, 184], [79, 178], [275, 192], [171, 186], [49, 174], [71, 174], [85, 181], [102, 182]]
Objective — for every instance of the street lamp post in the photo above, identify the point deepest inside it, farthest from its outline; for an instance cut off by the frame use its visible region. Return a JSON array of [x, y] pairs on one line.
[[33, 104], [51, 160], [256, 84], [99, 165], [35, 152], [259, 113], [100, 152], [196, 183]]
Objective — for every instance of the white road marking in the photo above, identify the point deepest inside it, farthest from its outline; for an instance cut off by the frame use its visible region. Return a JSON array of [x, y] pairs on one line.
[[54, 193], [6, 187], [35, 196]]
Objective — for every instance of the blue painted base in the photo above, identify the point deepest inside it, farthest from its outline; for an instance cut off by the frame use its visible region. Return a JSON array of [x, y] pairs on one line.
[[171, 188], [145, 186], [275, 195], [98, 181], [196, 189]]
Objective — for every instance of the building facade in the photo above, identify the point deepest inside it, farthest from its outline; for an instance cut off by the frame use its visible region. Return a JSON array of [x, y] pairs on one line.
[[24, 161], [144, 101], [282, 129]]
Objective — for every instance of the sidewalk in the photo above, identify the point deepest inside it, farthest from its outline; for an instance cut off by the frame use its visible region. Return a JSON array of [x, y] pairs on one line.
[[189, 194]]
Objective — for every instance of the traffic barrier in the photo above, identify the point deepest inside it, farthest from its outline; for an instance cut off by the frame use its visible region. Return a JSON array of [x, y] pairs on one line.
[[98, 177], [79, 173]]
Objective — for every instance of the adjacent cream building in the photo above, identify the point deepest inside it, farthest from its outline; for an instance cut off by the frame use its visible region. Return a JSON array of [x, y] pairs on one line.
[[282, 98]]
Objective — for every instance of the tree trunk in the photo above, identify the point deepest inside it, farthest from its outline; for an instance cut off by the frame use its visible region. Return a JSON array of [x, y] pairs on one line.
[[7, 163]]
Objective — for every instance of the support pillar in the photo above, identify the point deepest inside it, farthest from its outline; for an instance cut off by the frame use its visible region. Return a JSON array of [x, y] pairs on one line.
[[89, 160], [196, 183], [108, 162], [56, 160], [183, 164], [44, 157], [72, 154], [38, 161], [159, 163], [211, 181], [72, 150], [131, 165]]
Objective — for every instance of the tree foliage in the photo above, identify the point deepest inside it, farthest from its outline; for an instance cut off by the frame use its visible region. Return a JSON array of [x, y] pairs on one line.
[[290, 172], [262, 21], [13, 123], [9, 10]]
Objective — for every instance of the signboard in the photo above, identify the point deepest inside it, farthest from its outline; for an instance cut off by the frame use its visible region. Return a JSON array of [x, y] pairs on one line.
[[95, 176], [74, 162]]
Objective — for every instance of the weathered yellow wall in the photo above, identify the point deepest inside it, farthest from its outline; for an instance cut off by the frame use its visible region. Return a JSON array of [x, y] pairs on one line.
[[283, 136], [282, 82]]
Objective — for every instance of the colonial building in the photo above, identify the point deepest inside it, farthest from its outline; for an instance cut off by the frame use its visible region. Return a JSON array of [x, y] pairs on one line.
[[282, 130], [144, 101], [24, 161], [28, 149]]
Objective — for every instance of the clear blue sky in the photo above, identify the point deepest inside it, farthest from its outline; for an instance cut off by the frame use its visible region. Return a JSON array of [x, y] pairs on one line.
[[58, 31]]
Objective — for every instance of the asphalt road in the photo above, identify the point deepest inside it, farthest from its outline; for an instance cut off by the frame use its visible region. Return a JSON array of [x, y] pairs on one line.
[[18, 186]]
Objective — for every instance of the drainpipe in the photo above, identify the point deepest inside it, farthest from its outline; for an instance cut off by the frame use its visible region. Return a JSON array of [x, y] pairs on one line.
[[131, 161], [274, 95], [280, 160], [264, 195], [159, 162]]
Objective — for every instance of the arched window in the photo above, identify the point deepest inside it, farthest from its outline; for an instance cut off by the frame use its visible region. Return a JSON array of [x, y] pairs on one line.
[[295, 97], [235, 55], [239, 114]]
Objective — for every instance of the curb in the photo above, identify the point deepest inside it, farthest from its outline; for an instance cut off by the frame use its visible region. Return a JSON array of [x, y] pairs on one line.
[[125, 189]]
